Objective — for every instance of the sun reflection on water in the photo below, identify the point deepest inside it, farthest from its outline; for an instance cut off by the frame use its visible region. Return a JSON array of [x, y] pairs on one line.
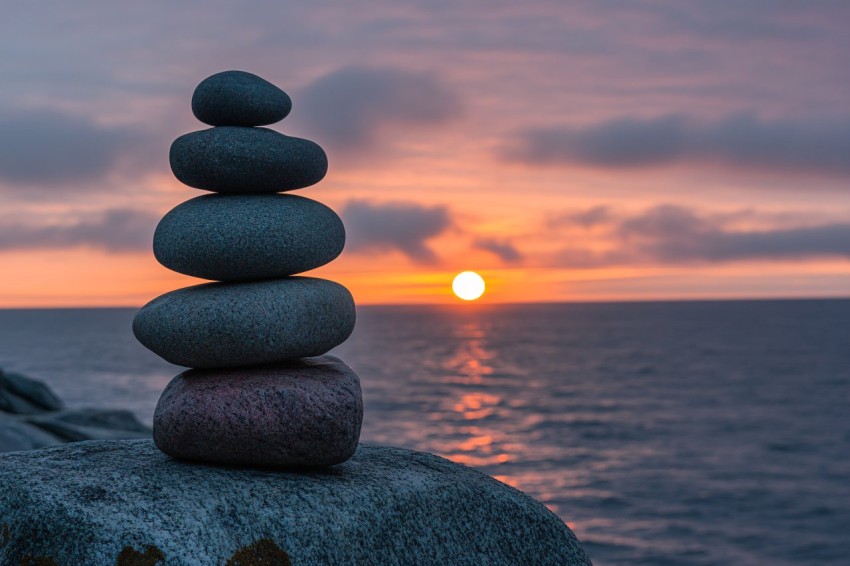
[[465, 386], [469, 365], [477, 405], [470, 362]]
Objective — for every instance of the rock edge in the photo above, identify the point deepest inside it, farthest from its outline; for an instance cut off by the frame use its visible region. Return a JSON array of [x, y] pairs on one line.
[[88, 503]]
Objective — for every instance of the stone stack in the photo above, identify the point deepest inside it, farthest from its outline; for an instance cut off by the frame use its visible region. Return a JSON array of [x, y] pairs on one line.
[[257, 395]]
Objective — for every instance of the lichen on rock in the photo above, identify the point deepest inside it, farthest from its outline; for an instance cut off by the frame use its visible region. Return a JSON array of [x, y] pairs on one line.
[[264, 552], [129, 556], [85, 502]]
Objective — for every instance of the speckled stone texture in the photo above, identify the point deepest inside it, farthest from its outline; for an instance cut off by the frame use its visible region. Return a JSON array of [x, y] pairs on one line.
[[237, 98], [239, 238], [246, 160], [296, 414], [236, 324], [92, 502]]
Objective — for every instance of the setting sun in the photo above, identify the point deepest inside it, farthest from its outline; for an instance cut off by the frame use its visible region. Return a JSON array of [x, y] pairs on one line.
[[468, 285]]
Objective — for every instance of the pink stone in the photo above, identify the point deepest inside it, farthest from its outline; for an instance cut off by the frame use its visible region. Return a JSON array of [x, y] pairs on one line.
[[304, 413]]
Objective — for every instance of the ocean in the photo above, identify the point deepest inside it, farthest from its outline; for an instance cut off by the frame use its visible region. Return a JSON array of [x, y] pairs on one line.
[[661, 433]]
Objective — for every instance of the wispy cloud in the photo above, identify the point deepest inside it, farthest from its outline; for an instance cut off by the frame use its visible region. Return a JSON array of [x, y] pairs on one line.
[[50, 148], [503, 249], [115, 230], [394, 226], [737, 141], [349, 108], [586, 218], [670, 234], [676, 234]]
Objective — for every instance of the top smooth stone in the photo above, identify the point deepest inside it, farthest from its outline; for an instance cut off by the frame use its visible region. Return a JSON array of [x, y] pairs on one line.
[[237, 98]]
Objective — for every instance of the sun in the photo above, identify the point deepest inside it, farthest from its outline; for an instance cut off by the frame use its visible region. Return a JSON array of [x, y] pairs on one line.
[[468, 285]]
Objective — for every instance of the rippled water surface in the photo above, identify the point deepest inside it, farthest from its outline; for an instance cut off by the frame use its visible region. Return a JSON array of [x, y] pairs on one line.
[[662, 433]]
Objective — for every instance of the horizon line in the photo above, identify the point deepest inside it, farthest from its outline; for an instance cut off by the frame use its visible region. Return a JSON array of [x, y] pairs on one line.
[[481, 304]]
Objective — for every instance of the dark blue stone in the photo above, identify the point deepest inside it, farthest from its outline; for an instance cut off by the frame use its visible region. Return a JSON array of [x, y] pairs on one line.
[[220, 325], [246, 160], [248, 237], [237, 98]]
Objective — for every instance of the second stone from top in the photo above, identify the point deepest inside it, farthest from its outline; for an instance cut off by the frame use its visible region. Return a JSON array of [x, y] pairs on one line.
[[236, 160]]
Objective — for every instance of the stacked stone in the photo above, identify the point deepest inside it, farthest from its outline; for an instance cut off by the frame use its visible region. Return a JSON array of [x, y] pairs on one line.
[[258, 395]]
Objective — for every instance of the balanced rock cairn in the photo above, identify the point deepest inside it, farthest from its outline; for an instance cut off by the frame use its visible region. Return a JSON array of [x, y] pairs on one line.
[[256, 396]]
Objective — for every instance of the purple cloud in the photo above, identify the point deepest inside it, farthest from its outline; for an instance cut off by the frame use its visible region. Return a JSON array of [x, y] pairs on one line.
[[395, 226], [50, 148], [115, 230], [678, 235], [502, 249], [348, 108], [587, 218], [738, 141]]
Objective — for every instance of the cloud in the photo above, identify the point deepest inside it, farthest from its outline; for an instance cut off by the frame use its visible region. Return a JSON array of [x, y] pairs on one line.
[[738, 141], [587, 218], [49, 148], [394, 226], [347, 109], [670, 234], [676, 234], [115, 230], [503, 249]]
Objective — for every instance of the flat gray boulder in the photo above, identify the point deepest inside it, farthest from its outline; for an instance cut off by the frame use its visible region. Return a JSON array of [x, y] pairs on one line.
[[21, 395], [91, 424], [125, 502], [17, 435], [30, 418]]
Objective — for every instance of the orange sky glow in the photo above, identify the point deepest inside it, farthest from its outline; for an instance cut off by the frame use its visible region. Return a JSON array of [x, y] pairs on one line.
[[565, 153]]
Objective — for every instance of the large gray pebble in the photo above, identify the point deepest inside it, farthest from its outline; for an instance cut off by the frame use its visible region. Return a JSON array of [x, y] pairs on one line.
[[246, 160], [101, 502], [237, 98], [239, 238], [237, 324], [305, 413]]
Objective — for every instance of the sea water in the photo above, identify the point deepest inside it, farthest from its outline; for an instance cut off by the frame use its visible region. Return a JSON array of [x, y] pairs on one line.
[[661, 433]]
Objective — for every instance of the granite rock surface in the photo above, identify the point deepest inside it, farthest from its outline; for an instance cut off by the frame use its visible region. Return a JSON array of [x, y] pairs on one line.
[[248, 237], [110, 502], [218, 325], [246, 160], [296, 414], [237, 98]]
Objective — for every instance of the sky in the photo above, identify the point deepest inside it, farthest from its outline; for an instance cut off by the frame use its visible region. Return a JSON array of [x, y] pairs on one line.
[[566, 151]]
